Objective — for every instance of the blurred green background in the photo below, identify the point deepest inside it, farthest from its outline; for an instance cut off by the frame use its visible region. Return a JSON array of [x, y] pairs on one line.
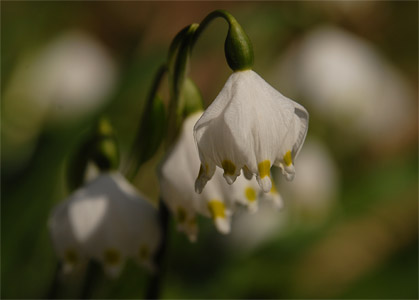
[[348, 230]]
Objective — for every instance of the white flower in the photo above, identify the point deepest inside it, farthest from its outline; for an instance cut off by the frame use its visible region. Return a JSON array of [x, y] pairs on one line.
[[177, 177], [251, 231], [106, 220], [68, 79], [349, 84], [315, 191], [249, 126]]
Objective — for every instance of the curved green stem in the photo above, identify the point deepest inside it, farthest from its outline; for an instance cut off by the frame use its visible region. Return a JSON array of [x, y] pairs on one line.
[[237, 47], [174, 45], [180, 59], [220, 13]]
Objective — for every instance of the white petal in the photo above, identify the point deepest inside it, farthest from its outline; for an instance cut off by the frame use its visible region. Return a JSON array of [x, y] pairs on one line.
[[206, 172], [265, 183], [177, 175], [301, 120], [66, 246], [180, 167], [245, 192], [247, 173], [223, 225], [275, 198], [87, 214]]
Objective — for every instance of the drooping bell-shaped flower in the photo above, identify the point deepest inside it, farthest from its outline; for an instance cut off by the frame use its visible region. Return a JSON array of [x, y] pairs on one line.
[[106, 220], [250, 126], [217, 201]]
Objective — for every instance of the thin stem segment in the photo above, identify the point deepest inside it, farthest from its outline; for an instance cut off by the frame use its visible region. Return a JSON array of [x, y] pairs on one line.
[[184, 43]]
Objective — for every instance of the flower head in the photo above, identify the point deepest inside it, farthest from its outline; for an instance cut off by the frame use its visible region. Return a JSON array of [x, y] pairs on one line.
[[217, 201], [106, 220], [250, 126]]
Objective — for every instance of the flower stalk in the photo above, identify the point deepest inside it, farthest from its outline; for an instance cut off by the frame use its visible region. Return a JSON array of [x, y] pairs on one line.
[[239, 56]]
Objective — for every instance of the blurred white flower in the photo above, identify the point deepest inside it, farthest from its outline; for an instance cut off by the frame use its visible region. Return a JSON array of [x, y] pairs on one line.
[[250, 231], [348, 83], [314, 192], [308, 198], [249, 126], [108, 221], [217, 201], [68, 79]]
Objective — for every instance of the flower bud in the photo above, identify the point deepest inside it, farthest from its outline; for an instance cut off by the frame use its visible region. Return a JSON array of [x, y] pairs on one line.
[[238, 48], [105, 152]]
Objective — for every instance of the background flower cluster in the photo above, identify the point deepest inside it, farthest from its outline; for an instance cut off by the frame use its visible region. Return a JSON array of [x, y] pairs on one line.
[[348, 228]]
